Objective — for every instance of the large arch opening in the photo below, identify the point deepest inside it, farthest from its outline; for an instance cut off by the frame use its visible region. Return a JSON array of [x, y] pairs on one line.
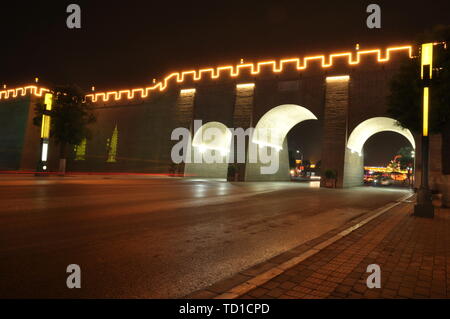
[[305, 151], [354, 154], [209, 151], [269, 137]]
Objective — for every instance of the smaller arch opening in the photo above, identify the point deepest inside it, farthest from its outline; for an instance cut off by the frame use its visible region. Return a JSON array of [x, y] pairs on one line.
[[356, 172], [366, 129]]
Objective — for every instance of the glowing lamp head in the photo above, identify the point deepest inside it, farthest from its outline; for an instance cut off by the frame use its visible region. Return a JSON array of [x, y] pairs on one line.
[[427, 58]]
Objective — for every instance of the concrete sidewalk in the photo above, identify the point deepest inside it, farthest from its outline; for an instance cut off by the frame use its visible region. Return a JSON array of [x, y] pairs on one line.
[[413, 253]]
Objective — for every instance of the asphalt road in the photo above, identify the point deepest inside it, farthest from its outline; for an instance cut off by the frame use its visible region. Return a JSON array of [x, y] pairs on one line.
[[156, 238]]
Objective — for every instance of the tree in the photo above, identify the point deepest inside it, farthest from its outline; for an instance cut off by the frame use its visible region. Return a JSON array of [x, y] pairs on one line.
[[405, 100], [405, 157], [71, 116]]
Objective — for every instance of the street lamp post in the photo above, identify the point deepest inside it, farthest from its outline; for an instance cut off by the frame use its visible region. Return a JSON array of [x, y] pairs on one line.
[[45, 133], [424, 206]]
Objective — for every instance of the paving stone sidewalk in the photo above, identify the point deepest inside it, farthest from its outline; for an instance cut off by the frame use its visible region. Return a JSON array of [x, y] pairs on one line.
[[413, 253]]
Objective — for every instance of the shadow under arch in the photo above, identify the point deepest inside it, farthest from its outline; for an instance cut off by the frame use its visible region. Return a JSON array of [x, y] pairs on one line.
[[354, 157], [209, 151], [270, 136]]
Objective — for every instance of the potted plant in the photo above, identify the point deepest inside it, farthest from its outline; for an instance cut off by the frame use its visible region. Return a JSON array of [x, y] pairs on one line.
[[330, 178]]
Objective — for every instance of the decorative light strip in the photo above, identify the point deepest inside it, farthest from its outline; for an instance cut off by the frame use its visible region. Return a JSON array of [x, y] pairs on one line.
[[353, 58], [23, 91]]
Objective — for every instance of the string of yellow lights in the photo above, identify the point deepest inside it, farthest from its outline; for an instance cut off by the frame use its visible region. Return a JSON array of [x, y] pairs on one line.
[[23, 91], [353, 58]]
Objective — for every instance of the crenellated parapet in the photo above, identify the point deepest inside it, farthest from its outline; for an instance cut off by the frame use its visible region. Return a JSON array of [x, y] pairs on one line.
[[351, 58], [235, 71]]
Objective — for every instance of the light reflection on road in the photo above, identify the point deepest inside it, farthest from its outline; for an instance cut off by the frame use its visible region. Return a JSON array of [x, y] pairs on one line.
[[158, 238]]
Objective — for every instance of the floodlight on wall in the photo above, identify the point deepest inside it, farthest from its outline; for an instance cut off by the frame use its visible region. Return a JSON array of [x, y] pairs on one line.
[[245, 85], [187, 91], [338, 78]]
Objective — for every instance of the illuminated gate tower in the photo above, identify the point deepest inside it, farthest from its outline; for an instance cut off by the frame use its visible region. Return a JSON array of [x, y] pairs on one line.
[[345, 92]]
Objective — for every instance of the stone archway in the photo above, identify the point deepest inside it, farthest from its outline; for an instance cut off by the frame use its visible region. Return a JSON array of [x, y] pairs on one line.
[[210, 150], [270, 136], [354, 157]]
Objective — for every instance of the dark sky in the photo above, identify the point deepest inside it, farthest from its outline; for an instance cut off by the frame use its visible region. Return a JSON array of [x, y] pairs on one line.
[[124, 44], [128, 43], [378, 153]]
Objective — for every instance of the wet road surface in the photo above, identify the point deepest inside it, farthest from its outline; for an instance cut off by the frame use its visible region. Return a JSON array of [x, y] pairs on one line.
[[157, 237]]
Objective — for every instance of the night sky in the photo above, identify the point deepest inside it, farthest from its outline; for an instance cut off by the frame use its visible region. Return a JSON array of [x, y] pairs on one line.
[[124, 44]]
